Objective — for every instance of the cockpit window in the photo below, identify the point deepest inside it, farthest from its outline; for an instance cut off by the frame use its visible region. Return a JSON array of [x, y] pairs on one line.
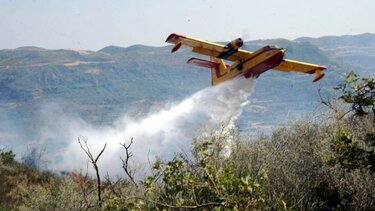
[[269, 47]]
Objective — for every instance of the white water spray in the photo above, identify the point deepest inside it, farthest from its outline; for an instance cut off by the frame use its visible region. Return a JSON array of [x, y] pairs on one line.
[[158, 135]]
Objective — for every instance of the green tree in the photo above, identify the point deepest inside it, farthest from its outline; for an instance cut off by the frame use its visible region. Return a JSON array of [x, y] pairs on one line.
[[350, 151], [359, 92]]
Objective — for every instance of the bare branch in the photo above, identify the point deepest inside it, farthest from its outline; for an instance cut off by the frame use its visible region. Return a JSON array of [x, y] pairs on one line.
[[101, 152], [125, 162], [325, 102], [86, 149], [329, 104]]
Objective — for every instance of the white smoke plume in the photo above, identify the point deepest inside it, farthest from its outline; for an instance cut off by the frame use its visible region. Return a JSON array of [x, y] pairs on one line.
[[160, 134]]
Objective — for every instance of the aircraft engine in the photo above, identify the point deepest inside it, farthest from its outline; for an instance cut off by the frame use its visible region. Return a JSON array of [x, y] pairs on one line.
[[235, 44]]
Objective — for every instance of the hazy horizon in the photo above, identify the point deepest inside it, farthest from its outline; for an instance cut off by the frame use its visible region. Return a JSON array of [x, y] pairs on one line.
[[95, 24], [31, 46]]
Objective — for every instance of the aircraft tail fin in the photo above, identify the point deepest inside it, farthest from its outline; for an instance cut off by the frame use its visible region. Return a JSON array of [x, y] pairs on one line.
[[218, 68], [218, 73]]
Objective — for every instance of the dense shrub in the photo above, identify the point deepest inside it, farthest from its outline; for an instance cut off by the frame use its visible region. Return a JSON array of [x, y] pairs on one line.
[[16, 178], [209, 179]]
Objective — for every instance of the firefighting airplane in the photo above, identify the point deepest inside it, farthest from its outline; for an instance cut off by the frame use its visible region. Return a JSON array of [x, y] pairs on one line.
[[245, 63]]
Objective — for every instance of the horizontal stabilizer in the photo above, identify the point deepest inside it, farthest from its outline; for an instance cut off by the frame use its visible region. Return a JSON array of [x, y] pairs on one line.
[[203, 63]]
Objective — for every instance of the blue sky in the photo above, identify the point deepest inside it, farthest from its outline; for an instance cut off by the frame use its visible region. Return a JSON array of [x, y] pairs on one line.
[[94, 24]]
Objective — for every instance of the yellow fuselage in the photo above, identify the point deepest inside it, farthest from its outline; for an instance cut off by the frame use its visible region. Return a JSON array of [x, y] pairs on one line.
[[260, 61]]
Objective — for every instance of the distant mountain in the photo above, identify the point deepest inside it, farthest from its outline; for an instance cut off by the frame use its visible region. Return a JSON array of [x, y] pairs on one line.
[[337, 41], [354, 51], [100, 86]]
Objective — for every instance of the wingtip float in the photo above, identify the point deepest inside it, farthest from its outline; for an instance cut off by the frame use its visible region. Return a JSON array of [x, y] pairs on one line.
[[318, 73], [244, 63]]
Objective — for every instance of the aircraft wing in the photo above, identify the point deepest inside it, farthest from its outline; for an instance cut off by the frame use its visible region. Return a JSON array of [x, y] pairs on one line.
[[205, 47], [288, 65]]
